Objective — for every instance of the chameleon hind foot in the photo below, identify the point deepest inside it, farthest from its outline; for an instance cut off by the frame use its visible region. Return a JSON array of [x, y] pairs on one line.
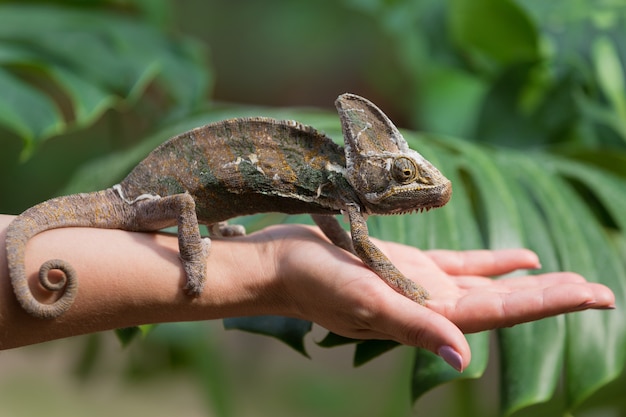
[[223, 229]]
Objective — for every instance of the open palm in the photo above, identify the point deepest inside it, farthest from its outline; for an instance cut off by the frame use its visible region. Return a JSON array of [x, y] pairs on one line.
[[332, 288]]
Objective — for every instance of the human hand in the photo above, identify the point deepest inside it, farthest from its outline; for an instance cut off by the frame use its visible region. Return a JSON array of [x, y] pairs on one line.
[[334, 289]]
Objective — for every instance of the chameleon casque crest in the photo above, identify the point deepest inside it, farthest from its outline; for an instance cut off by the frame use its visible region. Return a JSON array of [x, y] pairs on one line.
[[245, 166]]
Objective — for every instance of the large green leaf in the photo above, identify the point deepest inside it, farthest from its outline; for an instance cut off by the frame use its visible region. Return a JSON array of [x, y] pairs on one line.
[[561, 228], [451, 227], [525, 385], [521, 202], [95, 58], [508, 219], [596, 341]]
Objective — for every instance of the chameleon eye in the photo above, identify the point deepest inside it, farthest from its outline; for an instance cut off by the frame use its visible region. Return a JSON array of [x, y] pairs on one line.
[[404, 170]]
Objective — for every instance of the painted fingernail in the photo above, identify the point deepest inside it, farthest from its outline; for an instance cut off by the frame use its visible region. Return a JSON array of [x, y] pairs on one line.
[[586, 304], [452, 357]]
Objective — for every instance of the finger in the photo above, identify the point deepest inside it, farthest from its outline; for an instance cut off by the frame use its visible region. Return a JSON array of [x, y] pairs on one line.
[[484, 262], [412, 324], [603, 296], [519, 282], [483, 310]]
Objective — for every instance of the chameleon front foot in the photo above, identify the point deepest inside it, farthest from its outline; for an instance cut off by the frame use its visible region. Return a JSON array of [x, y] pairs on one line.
[[378, 262], [195, 270], [413, 291]]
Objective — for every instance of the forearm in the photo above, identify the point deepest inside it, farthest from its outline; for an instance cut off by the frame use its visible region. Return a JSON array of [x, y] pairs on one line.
[[127, 279]]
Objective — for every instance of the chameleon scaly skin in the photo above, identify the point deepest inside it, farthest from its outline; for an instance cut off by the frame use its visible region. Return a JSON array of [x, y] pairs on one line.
[[246, 166]]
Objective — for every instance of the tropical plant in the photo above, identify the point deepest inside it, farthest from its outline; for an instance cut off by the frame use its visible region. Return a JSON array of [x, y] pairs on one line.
[[524, 105]]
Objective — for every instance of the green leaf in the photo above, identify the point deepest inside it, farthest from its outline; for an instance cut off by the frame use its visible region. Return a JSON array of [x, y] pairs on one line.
[[499, 216], [502, 118], [506, 221], [452, 101], [610, 76], [452, 227], [365, 350], [288, 330], [89, 100], [525, 385], [127, 334], [595, 339], [539, 343], [497, 29], [370, 349], [512, 220], [430, 371], [184, 74], [332, 339], [96, 59], [27, 111], [610, 72]]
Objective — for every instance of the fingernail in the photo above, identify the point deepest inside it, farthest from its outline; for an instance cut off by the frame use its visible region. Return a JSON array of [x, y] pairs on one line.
[[586, 304], [452, 357]]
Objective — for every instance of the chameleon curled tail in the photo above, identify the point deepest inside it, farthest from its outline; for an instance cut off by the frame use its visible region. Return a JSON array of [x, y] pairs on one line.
[[75, 210]]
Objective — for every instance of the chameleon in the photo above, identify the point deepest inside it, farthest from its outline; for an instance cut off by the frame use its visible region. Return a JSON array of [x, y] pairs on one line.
[[244, 166]]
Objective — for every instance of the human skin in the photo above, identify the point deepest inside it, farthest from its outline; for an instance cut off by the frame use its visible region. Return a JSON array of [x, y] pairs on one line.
[[129, 278]]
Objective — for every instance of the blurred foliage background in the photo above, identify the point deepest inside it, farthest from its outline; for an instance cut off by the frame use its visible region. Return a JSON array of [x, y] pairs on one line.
[[522, 103]]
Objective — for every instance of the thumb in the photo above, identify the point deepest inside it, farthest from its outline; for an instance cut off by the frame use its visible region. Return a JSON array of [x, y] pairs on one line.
[[415, 325]]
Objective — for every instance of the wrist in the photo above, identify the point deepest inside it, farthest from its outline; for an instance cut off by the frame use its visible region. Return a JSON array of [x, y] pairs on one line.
[[241, 279]]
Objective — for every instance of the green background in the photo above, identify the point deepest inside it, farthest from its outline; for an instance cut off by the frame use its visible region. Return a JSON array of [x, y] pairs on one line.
[[521, 103]]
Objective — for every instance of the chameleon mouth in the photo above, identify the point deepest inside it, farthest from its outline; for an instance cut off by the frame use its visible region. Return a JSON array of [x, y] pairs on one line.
[[410, 200], [411, 211]]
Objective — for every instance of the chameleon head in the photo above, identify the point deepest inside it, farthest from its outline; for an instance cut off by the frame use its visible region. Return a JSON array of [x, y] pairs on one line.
[[388, 176]]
